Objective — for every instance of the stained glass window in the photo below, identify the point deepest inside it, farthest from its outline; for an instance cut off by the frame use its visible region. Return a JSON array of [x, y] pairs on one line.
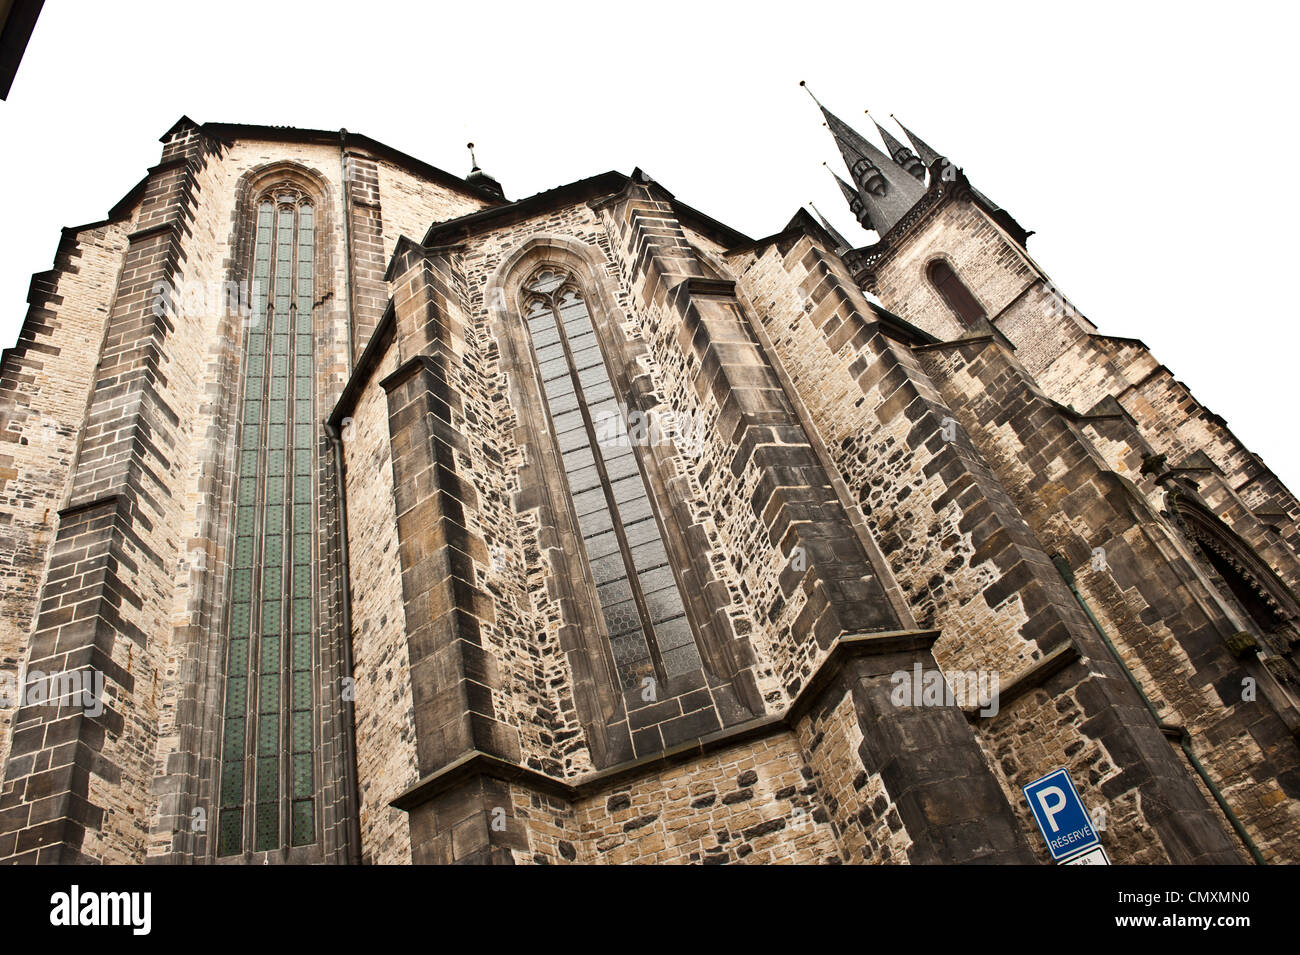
[[267, 777], [642, 608]]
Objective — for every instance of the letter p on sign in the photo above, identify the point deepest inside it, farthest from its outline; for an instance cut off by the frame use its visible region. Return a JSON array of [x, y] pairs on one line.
[[1051, 800]]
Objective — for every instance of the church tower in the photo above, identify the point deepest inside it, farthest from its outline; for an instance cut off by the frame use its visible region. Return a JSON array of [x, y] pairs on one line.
[[1157, 504]]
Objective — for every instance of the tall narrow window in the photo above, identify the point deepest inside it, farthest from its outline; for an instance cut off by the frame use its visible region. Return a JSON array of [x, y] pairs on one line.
[[268, 776], [650, 636], [955, 293]]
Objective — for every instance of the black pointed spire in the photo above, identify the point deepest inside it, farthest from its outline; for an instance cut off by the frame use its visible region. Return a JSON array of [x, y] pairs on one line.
[[867, 174], [481, 179], [927, 153], [854, 198], [900, 153], [886, 190], [865, 169]]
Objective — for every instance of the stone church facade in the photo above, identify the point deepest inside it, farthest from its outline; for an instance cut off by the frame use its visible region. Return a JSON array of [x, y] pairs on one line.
[[351, 512]]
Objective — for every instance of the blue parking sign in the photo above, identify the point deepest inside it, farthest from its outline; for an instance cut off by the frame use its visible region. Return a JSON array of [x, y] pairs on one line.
[[1060, 814]]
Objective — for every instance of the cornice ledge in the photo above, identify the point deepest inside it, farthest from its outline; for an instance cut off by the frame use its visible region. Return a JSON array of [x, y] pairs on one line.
[[170, 225], [477, 763], [116, 498], [1030, 679], [698, 285], [956, 343], [406, 245], [435, 364]]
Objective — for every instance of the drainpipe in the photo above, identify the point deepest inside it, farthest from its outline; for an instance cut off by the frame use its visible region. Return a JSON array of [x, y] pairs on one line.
[[349, 707], [353, 791], [1184, 738]]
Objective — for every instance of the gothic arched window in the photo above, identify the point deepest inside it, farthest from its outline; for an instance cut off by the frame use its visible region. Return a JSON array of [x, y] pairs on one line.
[[649, 634], [267, 795], [955, 293]]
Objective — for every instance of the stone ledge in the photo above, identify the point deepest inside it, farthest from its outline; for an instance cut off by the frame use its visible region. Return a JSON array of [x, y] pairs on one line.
[[180, 162], [477, 763], [435, 364], [955, 343], [722, 288], [856, 645], [116, 499], [171, 225], [1030, 679]]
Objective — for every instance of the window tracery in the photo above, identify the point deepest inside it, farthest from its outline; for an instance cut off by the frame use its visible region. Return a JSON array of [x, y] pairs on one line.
[[640, 603], [267, 789]]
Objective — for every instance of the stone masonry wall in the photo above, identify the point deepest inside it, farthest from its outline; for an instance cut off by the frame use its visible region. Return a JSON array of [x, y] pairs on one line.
[[45, 382], [892, 466], [751, 804], [1078, 367], [858, 801], [1151, 603], [411, 206], [385, 723], [812, 313], [996, 271], [764, 449], [482, 259], [215, 254], [195, 357], [692, 354], [465, 648], [157, 644], [111, 607], [1176, 424]]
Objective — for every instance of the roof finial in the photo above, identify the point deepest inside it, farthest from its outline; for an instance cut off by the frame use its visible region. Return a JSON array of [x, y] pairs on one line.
[[481, 179], [810, 93]]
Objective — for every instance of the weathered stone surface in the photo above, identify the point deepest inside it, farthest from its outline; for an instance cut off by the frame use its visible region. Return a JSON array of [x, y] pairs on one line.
[[843, 496]]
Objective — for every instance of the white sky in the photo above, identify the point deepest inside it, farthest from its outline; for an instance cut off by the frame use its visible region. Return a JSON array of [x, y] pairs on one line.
[[1138, 140]]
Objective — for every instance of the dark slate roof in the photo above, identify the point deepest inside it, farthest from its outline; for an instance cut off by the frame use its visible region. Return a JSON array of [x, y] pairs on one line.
[[232, 131], [902, 190]]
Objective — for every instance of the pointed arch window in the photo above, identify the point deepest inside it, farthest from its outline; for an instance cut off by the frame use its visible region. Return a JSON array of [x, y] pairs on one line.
[[959, 299], [267, 788], [640, 603]]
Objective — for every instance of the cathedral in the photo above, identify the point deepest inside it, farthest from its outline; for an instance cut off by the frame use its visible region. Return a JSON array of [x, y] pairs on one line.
[[353, 512]]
